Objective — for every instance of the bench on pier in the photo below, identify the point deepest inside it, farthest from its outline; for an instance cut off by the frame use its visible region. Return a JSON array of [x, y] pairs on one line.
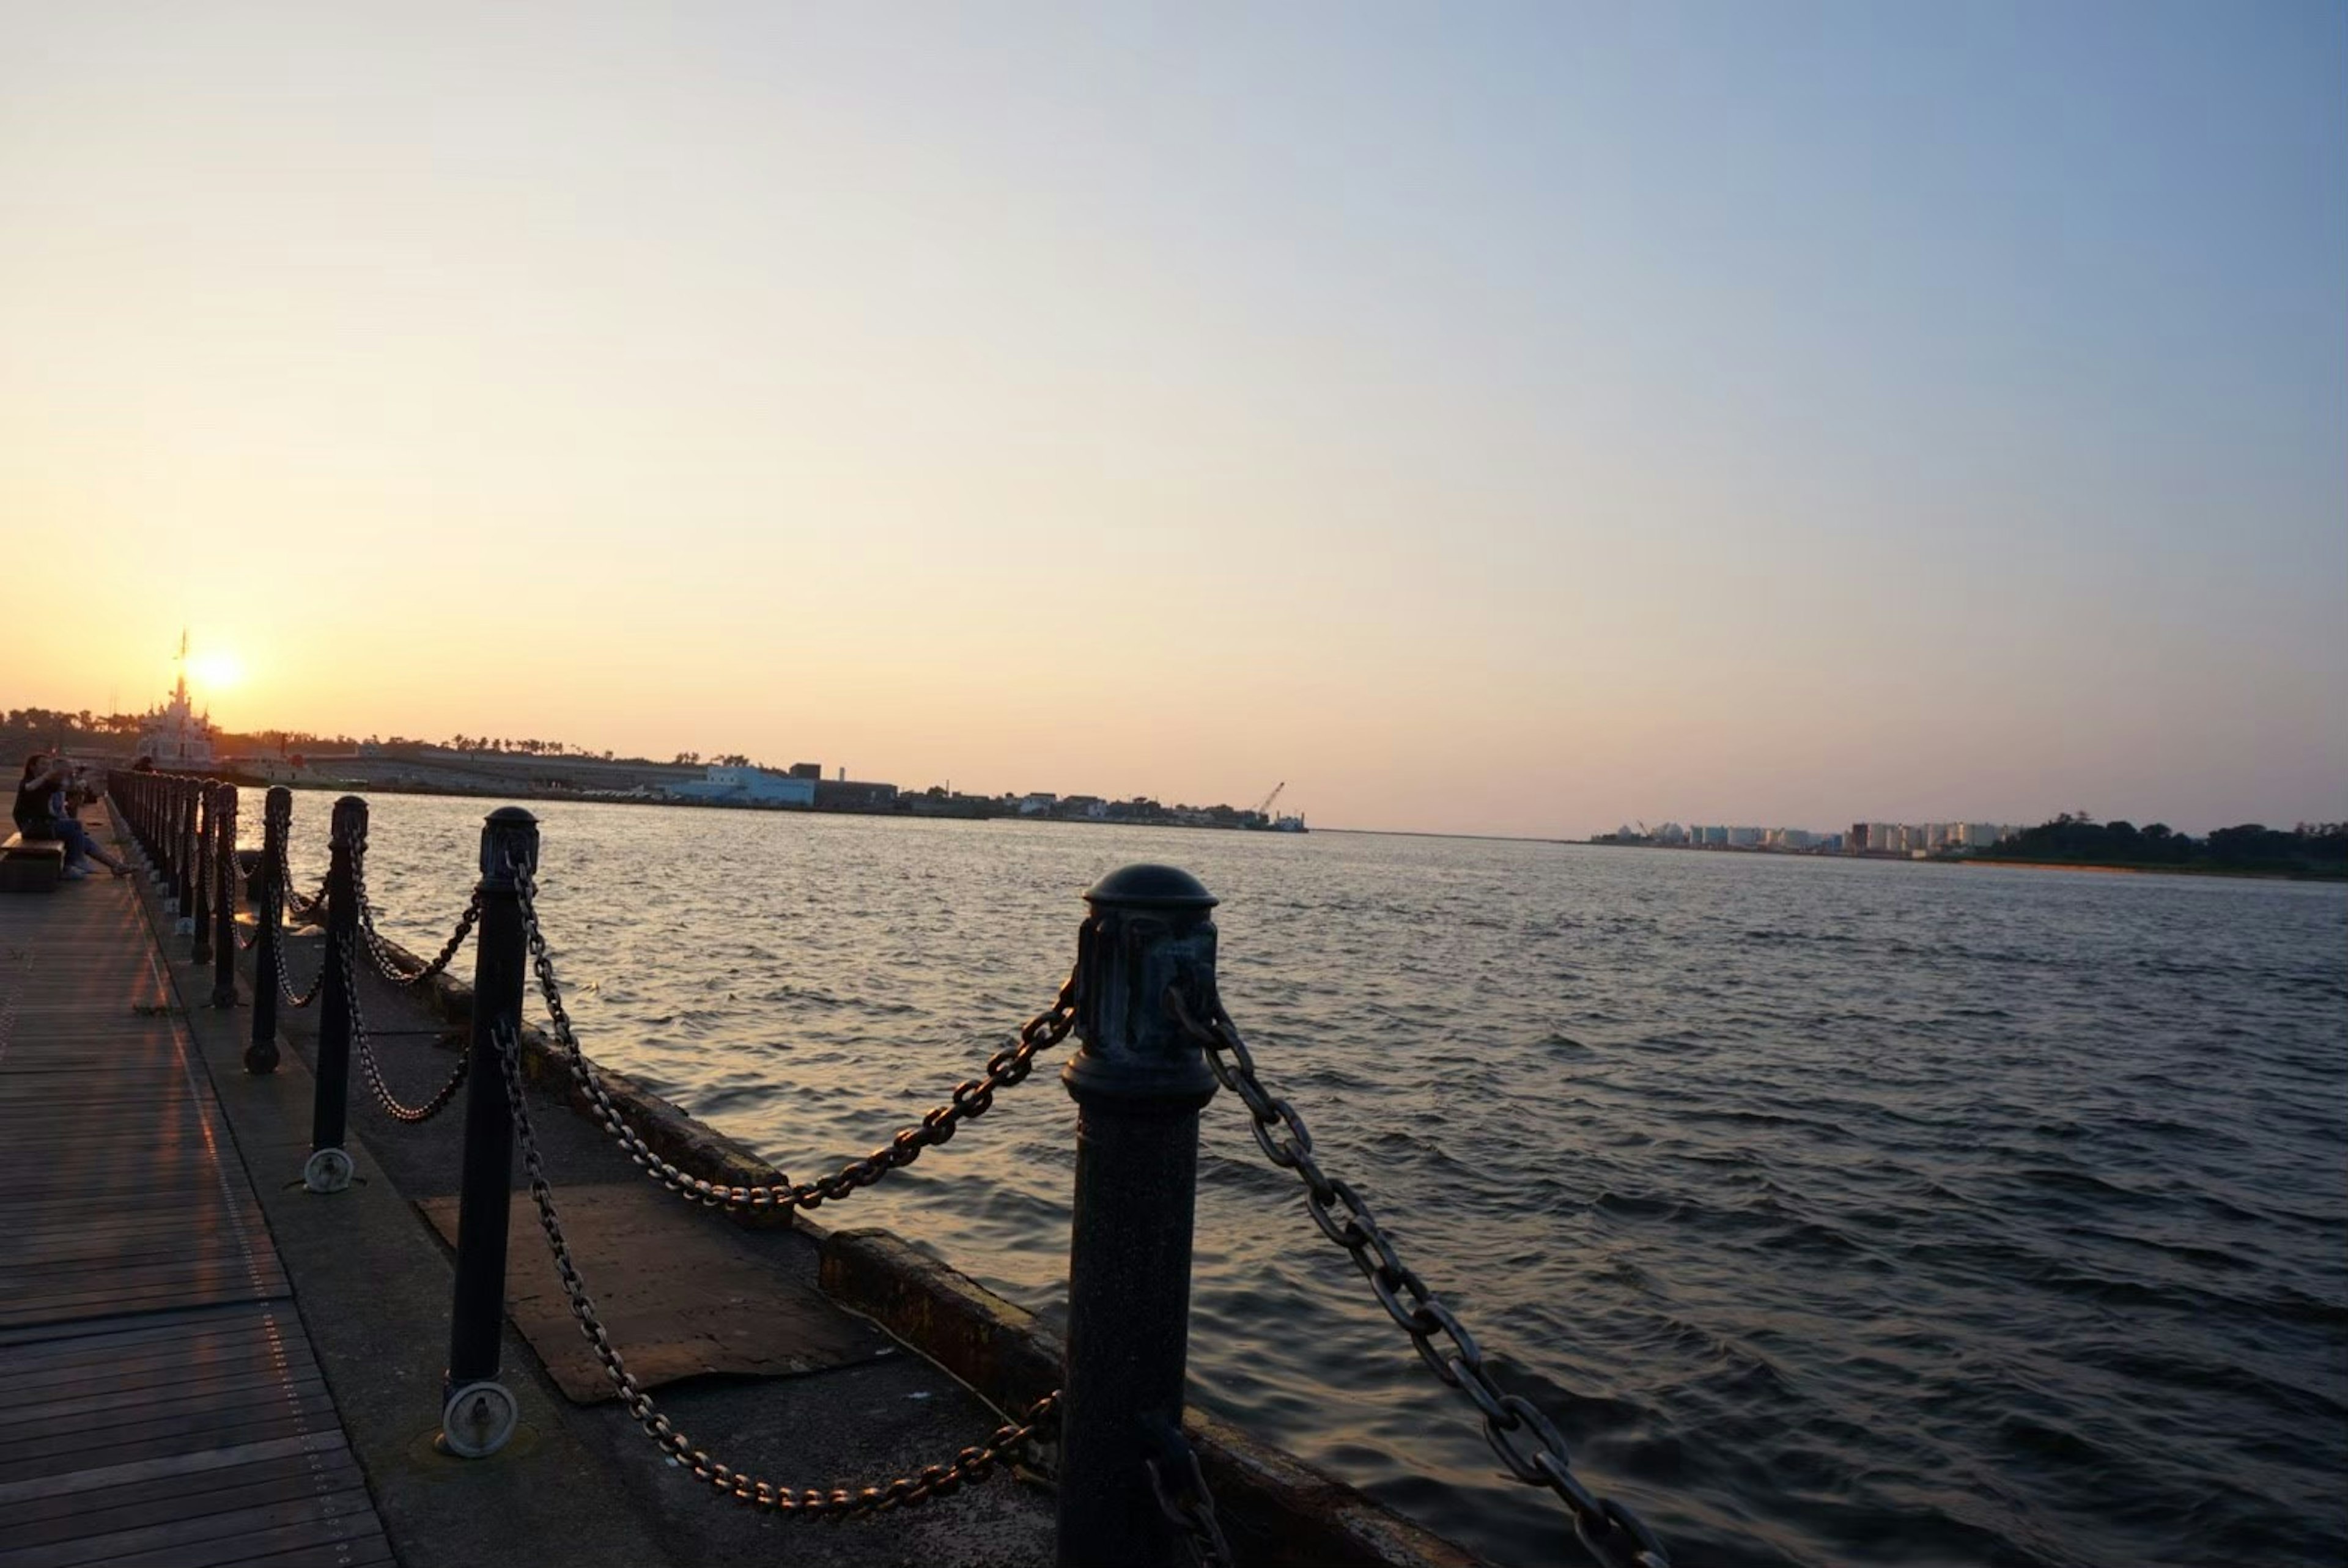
[[31, 864]]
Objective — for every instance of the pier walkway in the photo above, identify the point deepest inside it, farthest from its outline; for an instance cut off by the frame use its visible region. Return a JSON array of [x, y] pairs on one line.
[[165, 1409], [215, 1362]]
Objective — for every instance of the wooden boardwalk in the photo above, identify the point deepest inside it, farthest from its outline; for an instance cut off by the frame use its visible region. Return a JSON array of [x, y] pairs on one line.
[[163, 1408]]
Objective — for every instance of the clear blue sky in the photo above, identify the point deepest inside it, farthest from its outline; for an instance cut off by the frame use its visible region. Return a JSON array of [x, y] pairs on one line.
[[1484, 417]]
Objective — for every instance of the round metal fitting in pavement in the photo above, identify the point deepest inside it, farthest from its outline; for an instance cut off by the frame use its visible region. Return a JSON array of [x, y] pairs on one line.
[[477, 1419], [326, 1171]]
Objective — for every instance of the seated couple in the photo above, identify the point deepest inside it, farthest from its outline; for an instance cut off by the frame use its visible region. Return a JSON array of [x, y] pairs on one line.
[[41, 813]]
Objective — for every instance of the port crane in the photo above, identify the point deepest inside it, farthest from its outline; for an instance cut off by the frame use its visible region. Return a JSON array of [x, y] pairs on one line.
[[1264, 806]]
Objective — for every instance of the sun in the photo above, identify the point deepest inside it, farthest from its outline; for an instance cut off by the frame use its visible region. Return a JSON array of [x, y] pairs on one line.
[[216, 672]]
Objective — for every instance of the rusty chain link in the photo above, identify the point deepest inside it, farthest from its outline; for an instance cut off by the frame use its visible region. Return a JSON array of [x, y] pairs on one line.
[[971, 1098], [393, 1106], [1524, 1440], [1186, 1500], [933, 1481]]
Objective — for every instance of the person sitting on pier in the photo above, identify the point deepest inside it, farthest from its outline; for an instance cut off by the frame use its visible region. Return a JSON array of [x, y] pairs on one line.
[[40, 814]]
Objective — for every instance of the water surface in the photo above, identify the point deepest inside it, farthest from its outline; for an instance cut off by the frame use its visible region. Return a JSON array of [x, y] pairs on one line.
[[1838, 1211]]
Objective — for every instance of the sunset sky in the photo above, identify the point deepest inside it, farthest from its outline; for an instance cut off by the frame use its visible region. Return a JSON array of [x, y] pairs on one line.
[[1484, 417]]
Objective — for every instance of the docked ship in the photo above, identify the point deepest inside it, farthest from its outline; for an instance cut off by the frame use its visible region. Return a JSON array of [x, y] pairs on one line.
[[172, 734]]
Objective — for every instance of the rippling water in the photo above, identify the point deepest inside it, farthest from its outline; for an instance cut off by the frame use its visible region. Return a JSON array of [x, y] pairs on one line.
[[1837, 1211]]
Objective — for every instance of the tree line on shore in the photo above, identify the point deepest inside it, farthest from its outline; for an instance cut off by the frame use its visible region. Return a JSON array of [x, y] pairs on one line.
[[2310, 849], [29, 729]]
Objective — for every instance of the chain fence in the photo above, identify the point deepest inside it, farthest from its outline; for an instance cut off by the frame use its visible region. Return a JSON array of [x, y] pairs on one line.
[[386, 962], [1524, 1440], [299, 999], [934, 1481], [372, 1069]]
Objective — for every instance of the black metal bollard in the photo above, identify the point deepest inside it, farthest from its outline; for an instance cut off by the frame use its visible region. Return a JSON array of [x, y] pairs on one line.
[[167, 812], [276, 821], [1139, 1083], [329, 1168], [225, 881], [183, 852], [200, 910], [476, 1412]]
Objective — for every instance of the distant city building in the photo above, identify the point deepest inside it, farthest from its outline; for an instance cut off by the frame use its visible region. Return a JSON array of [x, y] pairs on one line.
[[1857, 839], [747, 786], [844, 794]]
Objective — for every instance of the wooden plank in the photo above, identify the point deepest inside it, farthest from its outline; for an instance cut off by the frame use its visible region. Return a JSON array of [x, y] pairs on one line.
[[191, 1267], [99, 1218], [172, 1421], [165, 1409], [196, 1392], [338, 1509], [67, 1517], [185, 1333], [63, 1259], [126, 1475], [158, 1372], [65, 1307], [34, 1460], [266, 1387], [325, 1539], [192, 1323]]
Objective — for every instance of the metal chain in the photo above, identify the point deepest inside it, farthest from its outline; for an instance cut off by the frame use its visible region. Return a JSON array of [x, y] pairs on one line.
[[379, 951], [1525, 1441], [393, 1106], [971, 1098], [284, 986], [245, 944], [302, 908], [1188, 1504], [934, 1481]]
